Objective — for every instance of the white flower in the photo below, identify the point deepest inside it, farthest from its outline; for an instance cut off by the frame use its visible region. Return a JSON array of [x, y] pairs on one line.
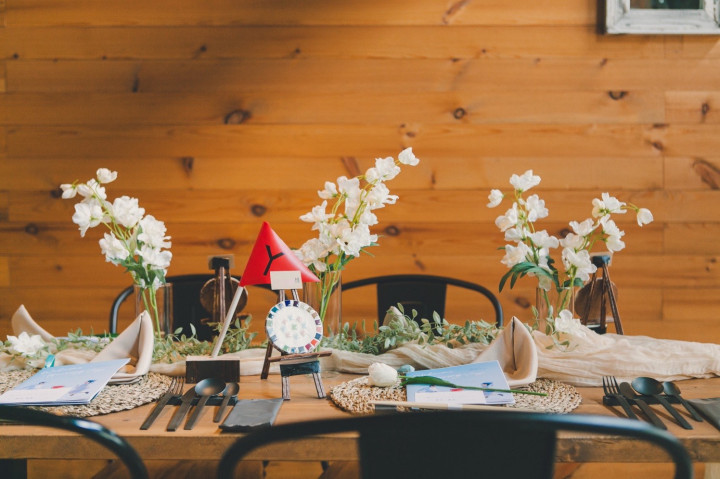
[[572, 241], [566, 323], [126, 211], [614, 243], [329, 192], [386, 168], [382, 375], [317, 215], [524, 182], [514, 234], [495, 198], [25, 344], [407, 157], [535, 208], [312, 252], [608, 205], [155, 257], [542, 239], [515, 254], [644, 216], [153, 233], [68, 190], [106, 176], [509, 219], [379, 196], [353, 240], [87, 215], [92, 187], [584, 228], [349, 187], [113, 249], [580, 260]]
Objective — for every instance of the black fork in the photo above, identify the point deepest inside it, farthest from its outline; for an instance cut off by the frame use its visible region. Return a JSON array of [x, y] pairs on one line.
[[611, 388]]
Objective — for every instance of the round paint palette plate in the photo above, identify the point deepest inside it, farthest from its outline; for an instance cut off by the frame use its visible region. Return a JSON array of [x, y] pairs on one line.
[[294, 327]]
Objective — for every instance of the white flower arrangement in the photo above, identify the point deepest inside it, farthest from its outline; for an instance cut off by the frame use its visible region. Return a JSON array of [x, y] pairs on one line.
[[529, 253], [135, 241], [344, 231]]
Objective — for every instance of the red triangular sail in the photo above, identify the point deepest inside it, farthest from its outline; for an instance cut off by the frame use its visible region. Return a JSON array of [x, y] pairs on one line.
[[270, 253]]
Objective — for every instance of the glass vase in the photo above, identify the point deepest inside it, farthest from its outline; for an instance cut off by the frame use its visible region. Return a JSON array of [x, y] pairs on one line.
[[325, 297], [159, 304], [548, 305]]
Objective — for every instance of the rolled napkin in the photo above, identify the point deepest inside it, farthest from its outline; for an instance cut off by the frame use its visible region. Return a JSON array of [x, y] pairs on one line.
[[135, 342]]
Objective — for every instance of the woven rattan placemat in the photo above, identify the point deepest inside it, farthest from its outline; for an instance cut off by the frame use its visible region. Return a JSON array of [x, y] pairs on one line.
[[112, 398], [354, 396]]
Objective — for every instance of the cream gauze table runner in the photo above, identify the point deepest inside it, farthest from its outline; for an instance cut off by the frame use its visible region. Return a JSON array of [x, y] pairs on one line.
[[523, 356]]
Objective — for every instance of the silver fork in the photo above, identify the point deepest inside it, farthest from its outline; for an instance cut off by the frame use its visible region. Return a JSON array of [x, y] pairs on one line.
[[611, 388], [175, 389]]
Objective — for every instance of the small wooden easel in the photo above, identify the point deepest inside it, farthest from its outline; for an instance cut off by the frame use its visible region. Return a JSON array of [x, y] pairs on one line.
[[601, 289], [294, 360]]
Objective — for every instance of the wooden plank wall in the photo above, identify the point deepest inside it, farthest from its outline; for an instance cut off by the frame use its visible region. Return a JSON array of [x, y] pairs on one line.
[[221, 114]]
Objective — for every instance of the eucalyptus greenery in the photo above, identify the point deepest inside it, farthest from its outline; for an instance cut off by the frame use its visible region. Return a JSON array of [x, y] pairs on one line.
[[403, 328]]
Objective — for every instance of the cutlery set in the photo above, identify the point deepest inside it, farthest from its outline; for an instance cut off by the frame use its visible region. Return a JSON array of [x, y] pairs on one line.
[[210, 391], [643, 392]]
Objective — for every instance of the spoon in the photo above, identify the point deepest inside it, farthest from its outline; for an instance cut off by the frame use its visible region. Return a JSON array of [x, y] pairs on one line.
[[672, 390], [205, 388], [653, 387], [230, 390], [629, 393]]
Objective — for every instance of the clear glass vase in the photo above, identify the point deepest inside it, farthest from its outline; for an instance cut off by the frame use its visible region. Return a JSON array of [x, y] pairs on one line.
[[548, 305], [159, 304], [325, 297]]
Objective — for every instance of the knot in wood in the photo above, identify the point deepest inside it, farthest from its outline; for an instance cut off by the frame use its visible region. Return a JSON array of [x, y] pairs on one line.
[[32, 229], [258, 210], [226, 243], [458, 113], [392, 230], [237, 117]]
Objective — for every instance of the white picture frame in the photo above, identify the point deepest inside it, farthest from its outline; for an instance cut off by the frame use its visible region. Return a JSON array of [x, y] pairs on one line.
[[620, 18]]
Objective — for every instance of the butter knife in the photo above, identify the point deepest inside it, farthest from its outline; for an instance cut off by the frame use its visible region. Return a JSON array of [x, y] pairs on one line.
[[627, 390], [185, 404], [162, 402]]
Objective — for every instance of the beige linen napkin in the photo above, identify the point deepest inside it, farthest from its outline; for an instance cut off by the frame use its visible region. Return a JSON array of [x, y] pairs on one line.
[[135, 342], [515, 350]]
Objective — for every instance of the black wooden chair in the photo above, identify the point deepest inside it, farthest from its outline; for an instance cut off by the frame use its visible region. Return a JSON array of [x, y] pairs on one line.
[[90, 429], [424, 293], [187, 307], [486, 444]]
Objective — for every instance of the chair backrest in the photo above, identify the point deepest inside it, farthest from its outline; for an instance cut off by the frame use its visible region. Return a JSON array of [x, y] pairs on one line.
[[422, 292], [460, 443], [90, 429], [187, 307]]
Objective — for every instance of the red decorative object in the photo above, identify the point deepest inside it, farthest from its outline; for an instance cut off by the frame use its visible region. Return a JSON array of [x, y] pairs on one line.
[[270, 253]]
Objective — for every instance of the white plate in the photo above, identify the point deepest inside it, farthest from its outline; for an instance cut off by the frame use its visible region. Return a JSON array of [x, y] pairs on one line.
[[294, 327]]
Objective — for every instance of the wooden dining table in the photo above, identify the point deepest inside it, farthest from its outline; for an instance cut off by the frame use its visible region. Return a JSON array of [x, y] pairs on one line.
[[206, 441]]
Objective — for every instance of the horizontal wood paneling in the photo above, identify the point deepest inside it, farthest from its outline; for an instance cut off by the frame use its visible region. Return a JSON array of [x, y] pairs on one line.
[[398, 41], [282, 12], [221, 114], [589, 175], [302, 141], [135, 109], [366, 75]]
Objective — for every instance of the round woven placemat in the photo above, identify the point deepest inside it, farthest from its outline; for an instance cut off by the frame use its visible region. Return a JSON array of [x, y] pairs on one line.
[[112, 398], [354, 396]]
